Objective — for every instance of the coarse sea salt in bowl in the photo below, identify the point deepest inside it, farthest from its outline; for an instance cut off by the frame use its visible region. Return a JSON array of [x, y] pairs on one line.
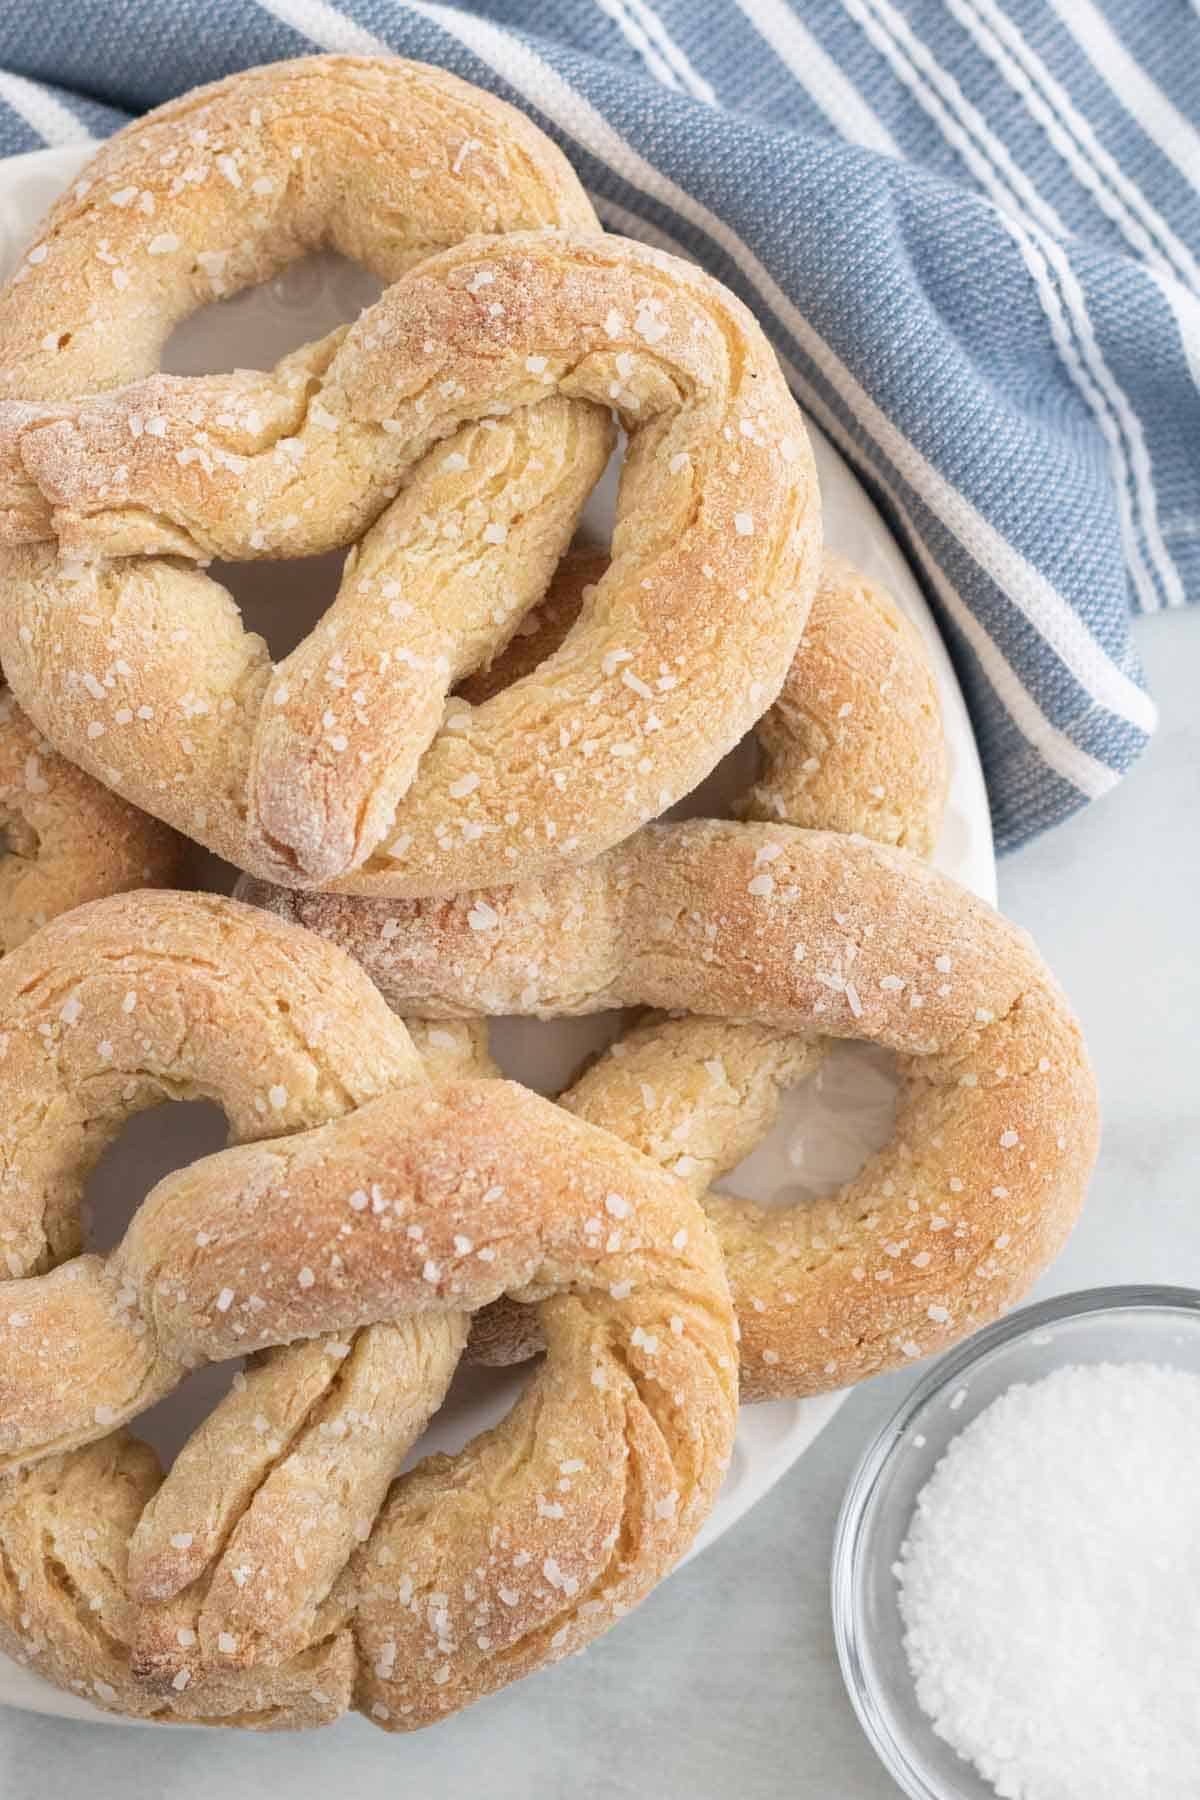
[[1114, 1355]]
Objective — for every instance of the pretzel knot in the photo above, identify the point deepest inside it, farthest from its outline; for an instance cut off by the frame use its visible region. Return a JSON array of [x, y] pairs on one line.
[[282, 1571], [781, 937], [467, 414]]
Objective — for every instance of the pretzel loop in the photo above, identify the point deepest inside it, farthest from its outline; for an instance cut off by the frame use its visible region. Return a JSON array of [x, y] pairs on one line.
[[381, 159], [344, 1256], [685, 642], [378, 158], [784, 938]]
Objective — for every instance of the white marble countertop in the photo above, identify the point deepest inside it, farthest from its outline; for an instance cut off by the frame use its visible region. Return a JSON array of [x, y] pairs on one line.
[[725, 1681]]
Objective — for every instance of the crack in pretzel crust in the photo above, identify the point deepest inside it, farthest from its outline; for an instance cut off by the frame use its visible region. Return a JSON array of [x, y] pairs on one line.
[[459, 423], [67, 839], [282, 1572], [781, 938]]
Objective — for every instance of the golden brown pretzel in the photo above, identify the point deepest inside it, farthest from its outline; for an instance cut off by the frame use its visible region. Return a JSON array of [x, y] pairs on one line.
[[854, 741], [344, 767], [279, 1574], [381, 159], [66, 839], [946, 1226], [812, 933], [207, 195]]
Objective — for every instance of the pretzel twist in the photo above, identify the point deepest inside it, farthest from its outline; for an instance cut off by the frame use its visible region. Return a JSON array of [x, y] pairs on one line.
[[280, 1573], [479, 386], [65, 838], [783, 937]]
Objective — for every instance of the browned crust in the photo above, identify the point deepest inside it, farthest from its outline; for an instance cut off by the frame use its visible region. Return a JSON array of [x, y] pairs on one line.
[[338, 769], [381, 159], [948, 1225], [364, 1213], [813, 933], [854, 742], [856, 734]]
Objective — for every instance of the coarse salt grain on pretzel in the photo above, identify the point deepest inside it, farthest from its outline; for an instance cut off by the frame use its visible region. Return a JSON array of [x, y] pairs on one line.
[[855, 738], [381, 159], [450, 1048], [342, 1244], [345, 767], [65, 839], [789, 936], [385, 161], [853, 743]]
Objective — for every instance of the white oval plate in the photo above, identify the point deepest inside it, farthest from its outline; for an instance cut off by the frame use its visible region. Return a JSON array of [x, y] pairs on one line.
[[252, 330]]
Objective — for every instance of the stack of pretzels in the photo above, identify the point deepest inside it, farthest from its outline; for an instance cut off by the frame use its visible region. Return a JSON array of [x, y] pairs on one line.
[[447, 803]]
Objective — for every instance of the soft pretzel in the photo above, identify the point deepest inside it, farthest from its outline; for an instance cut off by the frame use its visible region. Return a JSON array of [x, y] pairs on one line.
[[385, 161], [344, 767], [854, 740], [812, 933], [280, 1574], [794, 933], [381, 159], [65, 838]]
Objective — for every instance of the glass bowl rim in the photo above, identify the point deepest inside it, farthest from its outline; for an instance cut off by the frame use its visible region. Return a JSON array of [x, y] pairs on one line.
[[866, 1483]]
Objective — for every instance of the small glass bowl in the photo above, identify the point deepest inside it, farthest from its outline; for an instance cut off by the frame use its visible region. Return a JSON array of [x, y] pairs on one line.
[[1115, 1324]]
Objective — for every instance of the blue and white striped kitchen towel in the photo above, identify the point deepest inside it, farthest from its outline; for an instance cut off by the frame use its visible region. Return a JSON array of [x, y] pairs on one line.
[[972, 230]]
